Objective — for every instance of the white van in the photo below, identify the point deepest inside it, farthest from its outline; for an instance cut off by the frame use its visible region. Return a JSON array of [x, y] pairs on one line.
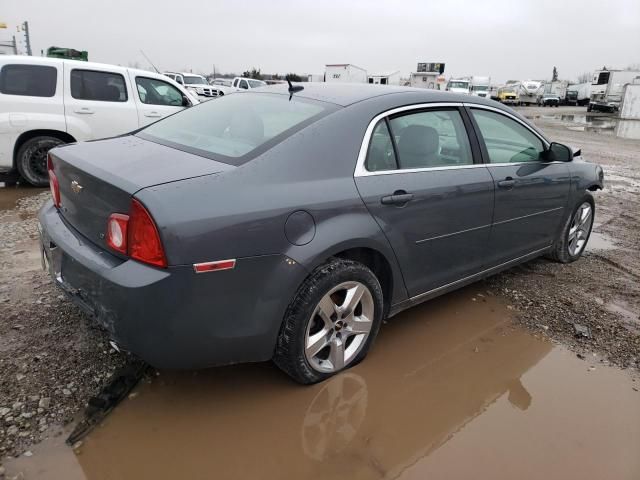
[[45, 102]]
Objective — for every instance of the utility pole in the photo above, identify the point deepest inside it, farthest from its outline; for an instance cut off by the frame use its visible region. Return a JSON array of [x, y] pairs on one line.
[[25, 27]]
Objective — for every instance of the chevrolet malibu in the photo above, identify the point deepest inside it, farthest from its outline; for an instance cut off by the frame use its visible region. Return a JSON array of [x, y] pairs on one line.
[[286, 223]]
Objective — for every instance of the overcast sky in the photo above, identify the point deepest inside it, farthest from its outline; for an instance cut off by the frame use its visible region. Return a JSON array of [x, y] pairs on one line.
[[517, 39]]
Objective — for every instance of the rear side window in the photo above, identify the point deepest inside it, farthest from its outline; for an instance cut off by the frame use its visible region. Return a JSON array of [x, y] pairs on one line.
[[99, 86], [234, 128], [28, 80], [432, 138]]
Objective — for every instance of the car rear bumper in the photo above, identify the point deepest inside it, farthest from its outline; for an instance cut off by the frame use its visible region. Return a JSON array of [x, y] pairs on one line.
[[173, 317]]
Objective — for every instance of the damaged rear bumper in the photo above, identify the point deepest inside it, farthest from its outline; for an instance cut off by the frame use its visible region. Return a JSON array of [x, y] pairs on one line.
[[173, 317]]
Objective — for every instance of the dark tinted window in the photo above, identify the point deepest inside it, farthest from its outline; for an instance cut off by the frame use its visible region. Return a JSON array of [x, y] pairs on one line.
[[29, 80], [236, 127], [101, 86]]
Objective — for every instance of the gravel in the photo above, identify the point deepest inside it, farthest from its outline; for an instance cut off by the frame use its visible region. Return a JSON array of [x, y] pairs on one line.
[[52, 360]]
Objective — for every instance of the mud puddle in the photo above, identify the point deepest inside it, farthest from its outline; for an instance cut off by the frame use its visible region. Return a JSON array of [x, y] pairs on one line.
[[452, 389], [604, 125]]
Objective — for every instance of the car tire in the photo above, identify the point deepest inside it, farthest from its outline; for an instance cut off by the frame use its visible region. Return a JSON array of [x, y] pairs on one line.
[[304, 319], [571, 243], [31, 160]]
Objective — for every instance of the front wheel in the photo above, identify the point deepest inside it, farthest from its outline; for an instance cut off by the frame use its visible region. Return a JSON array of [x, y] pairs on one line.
[[32, 159], [575, 234], [331, 322]]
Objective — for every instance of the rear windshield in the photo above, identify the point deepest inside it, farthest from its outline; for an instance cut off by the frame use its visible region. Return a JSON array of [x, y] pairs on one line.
[[235, 128]]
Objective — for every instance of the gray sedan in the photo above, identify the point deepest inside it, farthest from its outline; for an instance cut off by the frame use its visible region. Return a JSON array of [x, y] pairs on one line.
[[286, 223]]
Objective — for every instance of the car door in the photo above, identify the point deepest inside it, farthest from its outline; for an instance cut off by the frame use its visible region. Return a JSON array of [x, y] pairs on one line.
[[531, 193], [98, 102], [421, 178], [155, 98]]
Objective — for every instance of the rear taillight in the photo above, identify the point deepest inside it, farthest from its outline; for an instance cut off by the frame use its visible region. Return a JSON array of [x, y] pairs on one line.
[[136, 235], [53, 182], [143, 237]]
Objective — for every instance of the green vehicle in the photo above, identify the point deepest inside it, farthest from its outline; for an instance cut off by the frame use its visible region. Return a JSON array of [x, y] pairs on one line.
[[68, 53]]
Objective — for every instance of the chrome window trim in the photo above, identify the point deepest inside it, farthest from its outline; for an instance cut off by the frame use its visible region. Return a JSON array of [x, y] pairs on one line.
[[361, 170]]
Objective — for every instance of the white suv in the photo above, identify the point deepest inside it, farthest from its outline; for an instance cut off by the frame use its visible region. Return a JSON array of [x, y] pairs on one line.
[[45, 102]]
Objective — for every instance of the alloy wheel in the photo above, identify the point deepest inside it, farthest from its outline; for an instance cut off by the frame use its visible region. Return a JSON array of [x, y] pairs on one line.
[[339, 327], [580, 229]]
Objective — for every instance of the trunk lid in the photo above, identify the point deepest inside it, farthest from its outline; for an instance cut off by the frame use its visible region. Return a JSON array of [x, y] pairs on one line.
[[99, 178]]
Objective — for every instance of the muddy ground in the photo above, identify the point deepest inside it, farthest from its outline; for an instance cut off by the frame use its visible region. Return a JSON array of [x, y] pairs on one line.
[[52, 360]]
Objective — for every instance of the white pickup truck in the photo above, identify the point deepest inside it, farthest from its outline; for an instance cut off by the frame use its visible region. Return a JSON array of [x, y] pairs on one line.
[[45, 102], [198, 85], [242, 83]]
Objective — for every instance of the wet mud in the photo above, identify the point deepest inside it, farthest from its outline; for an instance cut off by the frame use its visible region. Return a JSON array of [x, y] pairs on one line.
[[449, 380]]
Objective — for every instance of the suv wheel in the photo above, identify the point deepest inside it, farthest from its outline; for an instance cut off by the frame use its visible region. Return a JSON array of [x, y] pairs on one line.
[[575, 234], [331, 322], [32, 159]]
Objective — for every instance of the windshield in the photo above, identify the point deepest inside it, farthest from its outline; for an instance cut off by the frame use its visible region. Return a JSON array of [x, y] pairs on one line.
[[481, 88], [235, 128], [256, 83], [193, 80], [458, 85]]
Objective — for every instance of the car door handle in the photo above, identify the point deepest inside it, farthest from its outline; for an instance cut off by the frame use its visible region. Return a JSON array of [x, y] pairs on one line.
[[507, 183], [153, 114], [84, 111], [399, 197]]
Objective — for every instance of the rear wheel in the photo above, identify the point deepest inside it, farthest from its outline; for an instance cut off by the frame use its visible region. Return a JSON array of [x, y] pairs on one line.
[[575, 234], [32, 159], [331, 322]]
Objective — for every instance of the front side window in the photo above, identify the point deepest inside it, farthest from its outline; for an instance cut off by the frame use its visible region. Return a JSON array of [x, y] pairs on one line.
[[235, 128], [432, 138], [507, 141], [28, 80], [156, 92], [98, 86], [243, 84], [256, 83]]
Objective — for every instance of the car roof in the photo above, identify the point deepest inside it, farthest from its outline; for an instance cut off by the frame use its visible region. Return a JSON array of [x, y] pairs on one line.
[[31, 60], [345, 94]]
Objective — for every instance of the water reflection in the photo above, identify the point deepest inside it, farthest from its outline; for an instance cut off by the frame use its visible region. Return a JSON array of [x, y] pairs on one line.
[[433, 370]]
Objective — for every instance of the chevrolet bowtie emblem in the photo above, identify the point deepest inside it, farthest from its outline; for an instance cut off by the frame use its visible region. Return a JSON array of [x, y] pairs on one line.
[[76, 187]]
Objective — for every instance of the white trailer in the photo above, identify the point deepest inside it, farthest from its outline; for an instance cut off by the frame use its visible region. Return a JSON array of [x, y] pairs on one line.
[[425, 80], [386, 78], [559, 88], [579, 94], [607, 86], [480, 86], [529, 91], [344, 73], [630, 105]]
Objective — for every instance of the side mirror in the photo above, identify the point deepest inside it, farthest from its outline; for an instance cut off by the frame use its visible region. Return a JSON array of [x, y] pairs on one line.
[[559, 153], [185, 101]]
